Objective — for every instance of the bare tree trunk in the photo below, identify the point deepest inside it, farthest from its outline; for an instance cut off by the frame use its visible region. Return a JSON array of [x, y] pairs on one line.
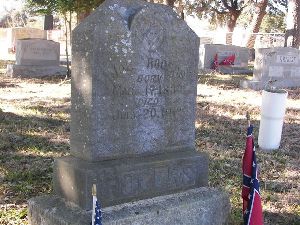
[[70, 27], [260, 12], [233, 15], [170, 2], [292, 35], [82, 15], [181, 9], [67, 51]]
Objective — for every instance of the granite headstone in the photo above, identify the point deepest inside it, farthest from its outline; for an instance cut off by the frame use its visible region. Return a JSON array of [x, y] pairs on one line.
[[133, 91], [133, 95], [36, 58], [134, 77], [19, 33], [279, 63], [208, 53], [37, 52]]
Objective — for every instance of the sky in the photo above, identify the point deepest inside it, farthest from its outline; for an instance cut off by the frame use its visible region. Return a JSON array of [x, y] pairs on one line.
[[10, 4]]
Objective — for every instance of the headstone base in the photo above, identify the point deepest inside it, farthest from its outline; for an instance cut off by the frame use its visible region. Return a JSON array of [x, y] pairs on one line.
[[129, 179], [205, 206], [35, 71], [234, 70], [259, 85]]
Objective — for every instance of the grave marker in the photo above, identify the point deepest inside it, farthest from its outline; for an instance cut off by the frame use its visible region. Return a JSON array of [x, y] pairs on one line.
[[36, 58], [19, 33], [134, 78], [279, 63], [208, 52]]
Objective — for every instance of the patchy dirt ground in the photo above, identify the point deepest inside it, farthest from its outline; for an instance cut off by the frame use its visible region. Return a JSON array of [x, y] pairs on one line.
[[34, 129]]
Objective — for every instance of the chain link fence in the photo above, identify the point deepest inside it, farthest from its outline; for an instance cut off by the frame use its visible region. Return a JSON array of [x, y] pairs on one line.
[[261, 40]]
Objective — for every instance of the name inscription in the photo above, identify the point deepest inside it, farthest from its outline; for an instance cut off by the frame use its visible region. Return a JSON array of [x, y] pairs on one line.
[[284, 59], [136, 182]]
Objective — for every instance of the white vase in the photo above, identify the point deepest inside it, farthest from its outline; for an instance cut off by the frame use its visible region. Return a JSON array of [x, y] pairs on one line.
[[272, 116]]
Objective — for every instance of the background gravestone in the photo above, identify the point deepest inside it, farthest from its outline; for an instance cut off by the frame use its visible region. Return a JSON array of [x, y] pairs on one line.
[[276, 63], [207, 53], [36, 58], [37, 52], [280, 63], [48, 22], [19, 33], [134, 78]]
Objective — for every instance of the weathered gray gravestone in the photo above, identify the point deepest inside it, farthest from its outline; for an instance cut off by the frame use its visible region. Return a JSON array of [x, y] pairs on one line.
[[279, 63], [134, 83], [134, 76], [133, 95]]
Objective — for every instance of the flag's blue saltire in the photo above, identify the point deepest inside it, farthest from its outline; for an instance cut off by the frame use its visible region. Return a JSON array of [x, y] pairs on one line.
[[98, 215], [252, 209]]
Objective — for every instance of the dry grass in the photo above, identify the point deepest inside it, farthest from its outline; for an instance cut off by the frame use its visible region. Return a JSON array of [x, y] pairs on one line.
[[221, 128], [34, 128]]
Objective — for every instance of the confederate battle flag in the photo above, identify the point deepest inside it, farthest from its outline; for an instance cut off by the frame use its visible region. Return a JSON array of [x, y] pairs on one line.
[[252, 209], [215, 64], [228, 61]]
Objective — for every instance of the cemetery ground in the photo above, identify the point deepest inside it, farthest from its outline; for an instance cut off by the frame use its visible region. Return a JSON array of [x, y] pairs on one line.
[[34, 129]]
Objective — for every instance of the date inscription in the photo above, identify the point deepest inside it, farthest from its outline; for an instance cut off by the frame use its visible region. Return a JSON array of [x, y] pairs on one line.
[[148, 94], [148, 113]]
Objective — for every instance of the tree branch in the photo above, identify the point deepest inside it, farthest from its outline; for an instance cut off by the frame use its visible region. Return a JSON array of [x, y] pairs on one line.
[[232, 3], [225, 3], [217, 11]]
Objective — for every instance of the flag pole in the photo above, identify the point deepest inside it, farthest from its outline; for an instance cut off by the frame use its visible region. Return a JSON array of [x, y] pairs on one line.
[[94, 190], [94, 194], [248, 119]]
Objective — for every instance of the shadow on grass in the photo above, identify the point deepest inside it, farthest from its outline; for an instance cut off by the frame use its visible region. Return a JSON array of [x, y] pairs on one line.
[[28, 146], [5, 84], [33, 132], [222, 130], [269, 218], [224, 139], [52, 109], [223, 81], [281, 218], [25, 176], [53, 79]]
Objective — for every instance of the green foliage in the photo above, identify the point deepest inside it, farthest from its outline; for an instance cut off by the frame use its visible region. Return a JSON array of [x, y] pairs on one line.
[[273, 23], [47, 7], [44, 7], [217, 12], [87, 5]]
